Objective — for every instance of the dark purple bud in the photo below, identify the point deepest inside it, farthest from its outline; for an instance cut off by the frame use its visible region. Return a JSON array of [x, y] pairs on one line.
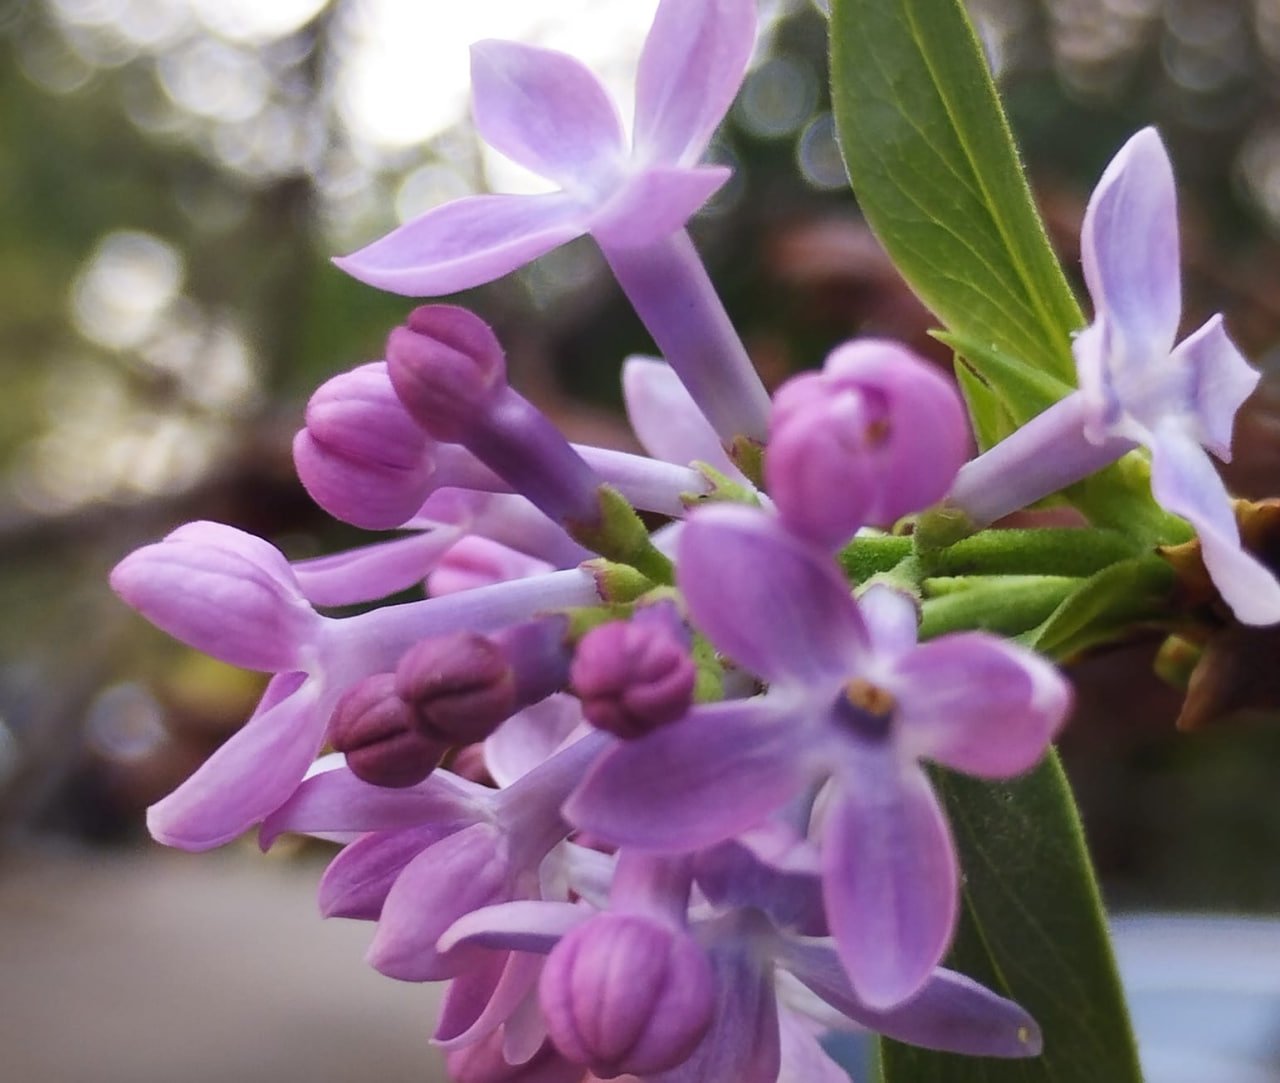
[[878, 434], [377, 733], [459, 688], [624, 993], [446, 365], [632, 677]]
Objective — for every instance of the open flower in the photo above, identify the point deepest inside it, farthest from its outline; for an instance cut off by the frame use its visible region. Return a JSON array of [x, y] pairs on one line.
[[852, 699]]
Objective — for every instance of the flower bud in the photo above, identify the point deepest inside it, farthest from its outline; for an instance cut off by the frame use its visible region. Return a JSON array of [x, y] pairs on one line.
[[377, 732], [446, 365], [878, 434], [474, 561], [361, 456], [626, 993], [459, 688], [632, 677]]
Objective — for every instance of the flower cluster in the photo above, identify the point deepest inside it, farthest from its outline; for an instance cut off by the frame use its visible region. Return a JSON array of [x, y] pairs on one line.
[[687, 823]]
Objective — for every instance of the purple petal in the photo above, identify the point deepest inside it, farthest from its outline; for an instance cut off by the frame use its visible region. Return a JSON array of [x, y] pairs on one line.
[[666, 419], [523, 925], [803, 1058], [460, 873], [692, 66], [468, 996], [374, 571], [548, 112], [731, 874], [517, 980], [978, 704], [773, 603], [892, 620], [466, 243], [743, 1042], [1129, 247], [356, 883], [723, 769], [951, 1013], [250, 776], [655, 203], [889, 878], [257, 551], [1184, 482], [338, 801], [367, 495], [1221, 379], [529, 737]]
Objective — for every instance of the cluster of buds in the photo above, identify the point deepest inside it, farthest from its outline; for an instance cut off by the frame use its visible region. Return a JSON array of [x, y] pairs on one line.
[[683, 823]]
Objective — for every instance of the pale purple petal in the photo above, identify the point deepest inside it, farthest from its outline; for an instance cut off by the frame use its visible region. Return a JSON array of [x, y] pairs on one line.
[[803, 1058], [460, 873], [523, 925], [356, 882], [665, 418], [693, 63], [374, 571], [655, 203], [257, 550], [889, 878], [338, 801], [1184, 482], [546, 111], [460, 1024], [951, 1013], [743, 1042], [469, 994], [978, 704], [466, 243], [525, 1032], [696, 782], [250, 776], [731, 874], [1129, 247], [1221, 379], [770, 601], [530, 736]]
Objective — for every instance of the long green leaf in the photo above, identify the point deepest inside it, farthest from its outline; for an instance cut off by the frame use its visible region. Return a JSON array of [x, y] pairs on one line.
[[936, 173], [1032, 929]]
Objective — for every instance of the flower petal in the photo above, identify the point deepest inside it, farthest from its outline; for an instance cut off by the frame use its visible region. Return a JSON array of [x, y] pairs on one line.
[[773, 603], [655, 203], [692, 66], [1185, 482], [979, 704], [530, 736], [951, 1013], [1129, 247], [803, 1058], [460, 873], [666, 419], [1221, 379], [251, 775], [461, 1024], [696, 782], [523, 925], [892, 620], [466, 243], [889, 878], [374, 571], [548, 112], [356, 883], [469, 996], [338, 801]]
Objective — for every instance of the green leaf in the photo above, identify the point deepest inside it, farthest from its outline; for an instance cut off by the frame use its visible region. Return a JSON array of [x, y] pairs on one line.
[[933, 164], [1031, 928], [991, 421]]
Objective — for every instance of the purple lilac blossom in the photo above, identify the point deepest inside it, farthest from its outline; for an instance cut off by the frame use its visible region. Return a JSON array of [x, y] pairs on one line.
[[1137, 389], [546, 111], [852, 698]]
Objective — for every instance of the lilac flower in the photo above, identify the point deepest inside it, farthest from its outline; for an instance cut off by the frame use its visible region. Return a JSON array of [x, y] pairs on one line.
[[476, 561], [877, 434], [235, 597], [852, 699], [1136, 387], [546, 111]]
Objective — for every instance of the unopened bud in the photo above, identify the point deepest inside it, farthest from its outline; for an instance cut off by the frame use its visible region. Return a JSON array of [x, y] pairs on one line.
[[624, 993], [632, 677], [376, 731], [459, 688]]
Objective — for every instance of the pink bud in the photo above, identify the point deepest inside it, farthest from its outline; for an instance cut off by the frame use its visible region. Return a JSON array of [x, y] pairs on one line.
[[446, 365], [878, 434], [474, 561], [459, 687], [378, 733], [632, 677], [627, 993]]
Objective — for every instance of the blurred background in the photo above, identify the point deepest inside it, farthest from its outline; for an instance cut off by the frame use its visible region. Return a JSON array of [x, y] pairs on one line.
[[175, 174]]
